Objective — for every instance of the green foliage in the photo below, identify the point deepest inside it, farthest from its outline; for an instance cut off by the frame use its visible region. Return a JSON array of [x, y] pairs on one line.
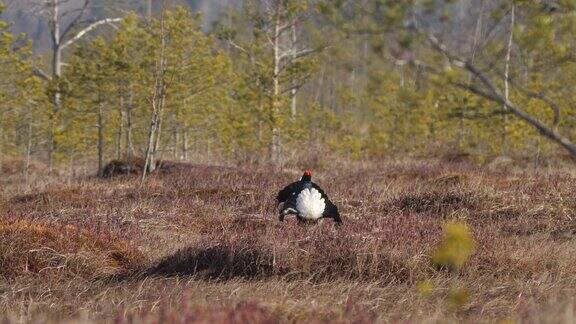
[[21, 95], [454, 250], [410, 112], [456, 247], [425, 288], [458, 297], [115, 80]]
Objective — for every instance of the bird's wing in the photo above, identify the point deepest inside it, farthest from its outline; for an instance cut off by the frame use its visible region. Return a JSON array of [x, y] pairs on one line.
[[287, 192], [331, 211]]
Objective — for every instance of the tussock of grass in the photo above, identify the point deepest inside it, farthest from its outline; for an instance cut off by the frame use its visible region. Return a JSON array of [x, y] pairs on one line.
[[28, 249]]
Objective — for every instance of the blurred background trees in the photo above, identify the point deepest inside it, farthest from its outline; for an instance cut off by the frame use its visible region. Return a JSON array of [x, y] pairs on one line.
[[276, 80]]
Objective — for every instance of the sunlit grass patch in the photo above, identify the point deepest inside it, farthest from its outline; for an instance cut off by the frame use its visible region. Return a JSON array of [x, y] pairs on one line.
[[28, 248]]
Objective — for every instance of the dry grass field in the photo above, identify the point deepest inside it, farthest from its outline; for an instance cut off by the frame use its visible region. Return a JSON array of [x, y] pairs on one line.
[[202, 244]]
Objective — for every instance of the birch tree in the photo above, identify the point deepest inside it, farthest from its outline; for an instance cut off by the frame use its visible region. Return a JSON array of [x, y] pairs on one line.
[[278, 59], [68, 22], [507, 76], [183, 67], [157, 99]]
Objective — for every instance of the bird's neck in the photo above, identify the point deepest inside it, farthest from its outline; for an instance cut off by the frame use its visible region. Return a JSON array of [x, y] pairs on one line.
[[306, 184]]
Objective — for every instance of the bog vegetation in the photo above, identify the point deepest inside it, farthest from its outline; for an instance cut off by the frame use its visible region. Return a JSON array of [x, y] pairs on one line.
[[202, 244]]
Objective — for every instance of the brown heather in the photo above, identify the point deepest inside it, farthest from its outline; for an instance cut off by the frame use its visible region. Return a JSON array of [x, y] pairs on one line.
[[200, 244]]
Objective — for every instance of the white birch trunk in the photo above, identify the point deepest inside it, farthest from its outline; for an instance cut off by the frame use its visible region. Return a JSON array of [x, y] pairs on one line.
[[475, 42], [28, 152], [129, 146], [185, 144], [275, 141], [294, 92], [100, 140], [56, 73], [157, 104], [119, 137], [506, 79]]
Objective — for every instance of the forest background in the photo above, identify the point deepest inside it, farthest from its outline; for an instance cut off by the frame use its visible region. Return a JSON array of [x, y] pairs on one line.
[[271, 81]]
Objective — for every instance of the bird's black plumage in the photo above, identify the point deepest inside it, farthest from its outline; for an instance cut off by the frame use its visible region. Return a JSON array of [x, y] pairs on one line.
[[289, 195]]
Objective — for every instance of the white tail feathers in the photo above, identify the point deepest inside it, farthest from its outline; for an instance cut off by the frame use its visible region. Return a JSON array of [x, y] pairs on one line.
[[310, 204]]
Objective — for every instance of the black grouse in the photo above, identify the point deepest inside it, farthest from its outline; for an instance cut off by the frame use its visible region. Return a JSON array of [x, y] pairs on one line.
[[307, 201]]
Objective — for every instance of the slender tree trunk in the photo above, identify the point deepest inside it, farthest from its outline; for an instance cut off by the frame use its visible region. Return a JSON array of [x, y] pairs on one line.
[[157, 105], [320, 87], [71, 173], [153, 133], [1, 142], [148, 164], [260, 122], [51, 145], [478, 32], [157, 154], [186, 144], [121, 110], [56, 73], [275, 141], [100, 140], [352, 84], [175, 153], [393, 133], [150, 156], [129, 147], [432, 123], [85, 159], [332, 99], [28, 152], [402, 77], [506, 80], [157, 143], [293, 93], [365, 65], [475, 42]]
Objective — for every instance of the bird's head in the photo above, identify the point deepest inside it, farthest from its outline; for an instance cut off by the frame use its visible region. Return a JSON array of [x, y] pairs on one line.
[[307, 176]]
